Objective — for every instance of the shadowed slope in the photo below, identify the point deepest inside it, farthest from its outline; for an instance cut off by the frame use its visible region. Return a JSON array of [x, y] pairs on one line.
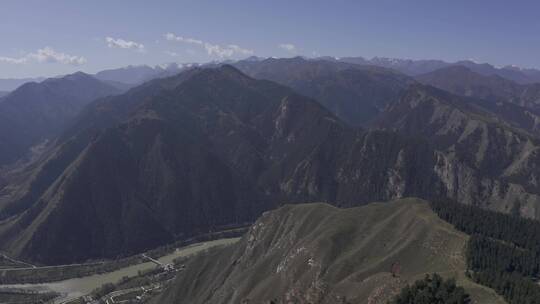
[[36, 112], [463, 81], [215, 149], [354, 93]]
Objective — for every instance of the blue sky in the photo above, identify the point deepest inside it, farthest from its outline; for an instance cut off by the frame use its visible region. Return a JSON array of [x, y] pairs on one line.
[[45, 38]]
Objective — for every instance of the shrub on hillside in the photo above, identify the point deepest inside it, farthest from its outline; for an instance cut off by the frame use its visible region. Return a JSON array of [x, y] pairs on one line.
[[432, 289]]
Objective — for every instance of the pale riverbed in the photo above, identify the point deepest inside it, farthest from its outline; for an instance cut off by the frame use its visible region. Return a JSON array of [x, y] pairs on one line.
[[82, 286]]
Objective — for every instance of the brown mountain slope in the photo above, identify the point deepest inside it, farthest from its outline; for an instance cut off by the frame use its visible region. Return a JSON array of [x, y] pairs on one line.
[[316, 253]]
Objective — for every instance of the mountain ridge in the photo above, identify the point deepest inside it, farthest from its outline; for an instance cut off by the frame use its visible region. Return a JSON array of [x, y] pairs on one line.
[[355, 93], [417, 67], [321, 254], [496, 160], [37, 112], [150, 155], [462, 80]]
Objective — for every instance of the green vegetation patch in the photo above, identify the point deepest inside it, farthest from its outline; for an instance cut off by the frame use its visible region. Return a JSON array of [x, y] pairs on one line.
[[432, 289], [503, 252]]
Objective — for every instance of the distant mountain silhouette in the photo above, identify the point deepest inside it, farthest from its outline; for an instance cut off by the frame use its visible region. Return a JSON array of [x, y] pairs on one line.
[[418, 67], [464, 81], [36, 112], [10, 84], [134, 75], [356, 94]]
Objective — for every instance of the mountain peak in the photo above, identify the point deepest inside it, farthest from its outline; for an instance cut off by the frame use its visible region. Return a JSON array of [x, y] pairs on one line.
[[78, 76], [457, 68], [254, 58], [229, 69], [225, 71]]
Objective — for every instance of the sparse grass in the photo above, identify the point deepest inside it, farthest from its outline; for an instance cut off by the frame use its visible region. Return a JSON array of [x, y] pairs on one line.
[[321, 252]]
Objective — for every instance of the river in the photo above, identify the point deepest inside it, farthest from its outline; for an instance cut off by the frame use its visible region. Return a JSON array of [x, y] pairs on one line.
[[81, 286]]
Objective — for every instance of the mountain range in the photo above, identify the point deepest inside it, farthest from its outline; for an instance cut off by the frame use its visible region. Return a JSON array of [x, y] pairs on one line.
[[137, 74], [464, 81], [418, 67], [207, 148], [355, 93], [216, 146], [134, 75], [122, 78], [514, 103]]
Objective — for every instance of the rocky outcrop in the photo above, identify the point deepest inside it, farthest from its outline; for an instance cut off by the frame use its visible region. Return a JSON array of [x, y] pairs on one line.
[[481, 159]]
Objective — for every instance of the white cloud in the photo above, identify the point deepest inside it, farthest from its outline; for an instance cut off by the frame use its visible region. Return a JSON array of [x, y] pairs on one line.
[[48, 55], [173, 37], [13, 60], [124, 44], [212, 49], [237, 49], [289, 47]]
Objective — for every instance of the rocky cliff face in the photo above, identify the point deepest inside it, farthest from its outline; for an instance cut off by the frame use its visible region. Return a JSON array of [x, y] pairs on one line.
[[480, 158]]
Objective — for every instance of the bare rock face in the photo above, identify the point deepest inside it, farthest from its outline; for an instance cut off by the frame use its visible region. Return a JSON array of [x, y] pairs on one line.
[[316, 253], [481, 159]]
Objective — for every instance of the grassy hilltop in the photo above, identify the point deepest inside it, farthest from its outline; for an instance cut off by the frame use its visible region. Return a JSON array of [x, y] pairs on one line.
[[321, 254]]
